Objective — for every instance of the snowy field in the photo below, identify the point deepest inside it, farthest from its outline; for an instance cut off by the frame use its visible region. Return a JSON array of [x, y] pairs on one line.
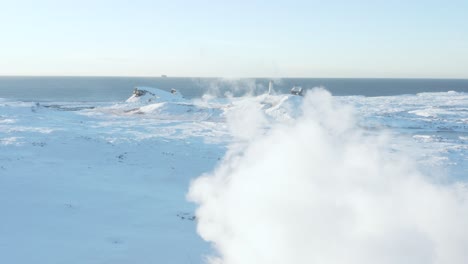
[[107, 182]]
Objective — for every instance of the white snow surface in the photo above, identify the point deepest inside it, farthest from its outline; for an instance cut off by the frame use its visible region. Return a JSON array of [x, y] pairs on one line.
[[106, 182]]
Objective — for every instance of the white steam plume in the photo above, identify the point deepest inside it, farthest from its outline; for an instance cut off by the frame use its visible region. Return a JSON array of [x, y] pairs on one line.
[[231, 86], [320, 191]]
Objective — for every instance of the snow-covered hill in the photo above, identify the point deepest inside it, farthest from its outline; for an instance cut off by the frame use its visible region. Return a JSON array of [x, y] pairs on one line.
[[106, 182]]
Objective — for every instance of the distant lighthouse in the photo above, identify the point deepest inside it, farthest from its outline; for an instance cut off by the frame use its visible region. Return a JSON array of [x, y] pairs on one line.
[[270, 87]]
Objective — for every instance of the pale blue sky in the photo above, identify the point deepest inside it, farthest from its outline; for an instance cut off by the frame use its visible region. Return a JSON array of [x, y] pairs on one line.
[[368, 38]]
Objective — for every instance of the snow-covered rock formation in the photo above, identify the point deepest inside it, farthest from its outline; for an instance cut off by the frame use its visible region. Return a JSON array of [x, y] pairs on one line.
[[154, 95]]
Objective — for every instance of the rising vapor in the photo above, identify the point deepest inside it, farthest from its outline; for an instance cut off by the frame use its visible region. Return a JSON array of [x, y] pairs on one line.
[[322, 190]]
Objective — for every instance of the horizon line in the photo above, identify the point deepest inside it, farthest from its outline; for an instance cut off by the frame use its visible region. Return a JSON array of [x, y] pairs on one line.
[[221, 77]]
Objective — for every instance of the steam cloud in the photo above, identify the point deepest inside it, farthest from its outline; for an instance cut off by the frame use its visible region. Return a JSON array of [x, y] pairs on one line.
[[231, 86], [321, 190]]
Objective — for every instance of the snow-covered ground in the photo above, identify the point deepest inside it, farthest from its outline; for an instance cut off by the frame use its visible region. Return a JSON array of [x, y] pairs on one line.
[[107, 182]]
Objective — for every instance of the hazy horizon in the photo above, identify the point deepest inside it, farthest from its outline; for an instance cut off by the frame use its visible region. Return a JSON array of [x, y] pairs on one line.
[[302, 39], [227, 78]]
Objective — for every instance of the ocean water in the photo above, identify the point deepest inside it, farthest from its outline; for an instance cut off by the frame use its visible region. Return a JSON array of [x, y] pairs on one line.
[[92, 89]]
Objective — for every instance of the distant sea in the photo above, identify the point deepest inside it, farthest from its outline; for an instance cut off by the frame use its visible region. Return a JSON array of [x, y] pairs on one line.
[[86, 89]]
